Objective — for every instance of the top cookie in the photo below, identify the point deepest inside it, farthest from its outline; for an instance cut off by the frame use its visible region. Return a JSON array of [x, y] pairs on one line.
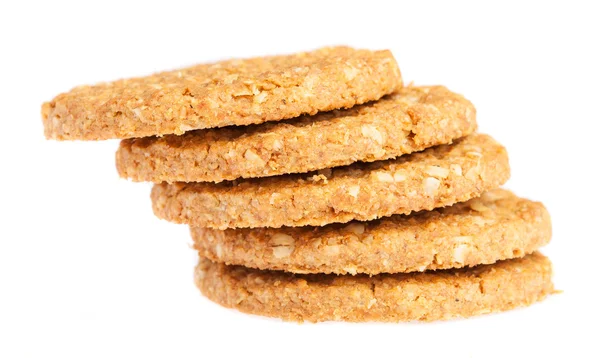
[[233, 92], [410, 120]]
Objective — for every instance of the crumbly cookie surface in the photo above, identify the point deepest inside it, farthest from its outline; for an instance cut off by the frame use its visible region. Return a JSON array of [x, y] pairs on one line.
[[496, 226], [423, 296], [437, 177], [410, 120], [233, 92]]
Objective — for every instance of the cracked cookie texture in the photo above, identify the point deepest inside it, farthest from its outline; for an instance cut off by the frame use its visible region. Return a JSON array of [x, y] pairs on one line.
[[424, 296], [496, 226], [410, 120], [437, 177], [232, 92]]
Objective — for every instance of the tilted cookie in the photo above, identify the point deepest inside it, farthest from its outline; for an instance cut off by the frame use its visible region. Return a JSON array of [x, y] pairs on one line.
[[437, 177], [233, 92], [397, 297], [496, 226], [410, 120]]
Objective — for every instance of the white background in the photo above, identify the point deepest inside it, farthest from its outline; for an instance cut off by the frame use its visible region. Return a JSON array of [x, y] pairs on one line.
[[87, 270]]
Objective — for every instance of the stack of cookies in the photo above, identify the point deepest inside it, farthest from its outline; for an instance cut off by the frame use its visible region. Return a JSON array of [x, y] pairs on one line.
[[317, 187]]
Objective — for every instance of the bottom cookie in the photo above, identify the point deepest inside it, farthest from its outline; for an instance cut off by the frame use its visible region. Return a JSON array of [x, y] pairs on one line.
[[423, 296]]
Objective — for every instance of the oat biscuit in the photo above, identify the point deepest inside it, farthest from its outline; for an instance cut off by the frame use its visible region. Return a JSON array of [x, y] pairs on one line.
[[437, 177], [412, 119], [496, 226], [426, 296], [233, 92]]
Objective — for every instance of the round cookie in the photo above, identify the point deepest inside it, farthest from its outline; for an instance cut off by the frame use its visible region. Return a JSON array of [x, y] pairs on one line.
[[423, 296], [410, 120], [232, 92], [496, 226], [437, 177]]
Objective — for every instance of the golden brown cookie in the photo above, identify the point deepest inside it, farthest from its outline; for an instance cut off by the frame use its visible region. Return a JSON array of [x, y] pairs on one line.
[[496, 226], [412, 119], [437, 177], [233, 92], [426, 296]]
